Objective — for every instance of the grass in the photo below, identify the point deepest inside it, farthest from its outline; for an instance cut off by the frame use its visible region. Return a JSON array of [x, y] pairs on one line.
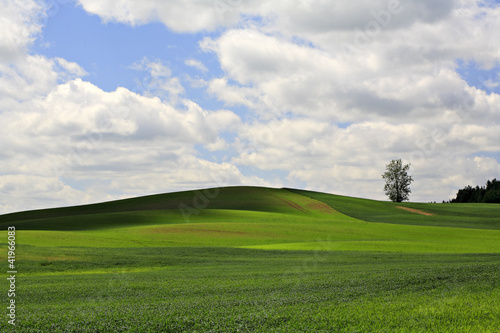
[[254, 229], [229, 290], [151, 209], [476, 216], [256, 260]]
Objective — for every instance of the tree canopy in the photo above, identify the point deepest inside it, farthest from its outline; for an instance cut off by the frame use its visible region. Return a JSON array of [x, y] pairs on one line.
[[397, 181], [487, 194]]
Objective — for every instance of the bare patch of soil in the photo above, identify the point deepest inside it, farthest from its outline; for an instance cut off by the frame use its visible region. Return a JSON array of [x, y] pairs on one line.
[[321, 207], [413, 210], [293, 205]]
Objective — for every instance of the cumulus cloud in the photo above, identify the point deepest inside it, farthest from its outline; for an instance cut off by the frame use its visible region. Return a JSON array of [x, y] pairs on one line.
[[35, 76], [276, 75], [20, 24], [158, 81], [398, 88], [338, 61], [320, 17], [332, 92], [181, 16], [129, 142], [350, 160], [29, 191], [295, 16], [66, 141], [22, 75], [80, 113]]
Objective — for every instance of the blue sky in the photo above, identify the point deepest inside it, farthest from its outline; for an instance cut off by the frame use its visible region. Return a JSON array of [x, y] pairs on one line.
[[481, 78], [107, 50], [102, 100]]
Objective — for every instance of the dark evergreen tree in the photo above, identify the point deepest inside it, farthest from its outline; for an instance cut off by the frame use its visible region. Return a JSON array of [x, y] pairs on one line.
[[488, 194], [492, 194]]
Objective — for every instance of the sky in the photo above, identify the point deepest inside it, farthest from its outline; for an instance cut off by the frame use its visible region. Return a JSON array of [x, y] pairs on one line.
[[101, 99]]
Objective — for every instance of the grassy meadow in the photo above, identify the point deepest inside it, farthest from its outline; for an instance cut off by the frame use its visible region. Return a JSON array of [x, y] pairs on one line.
[[250, 259]]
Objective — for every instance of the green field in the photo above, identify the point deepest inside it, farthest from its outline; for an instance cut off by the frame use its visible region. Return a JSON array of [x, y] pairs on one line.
[[250, 259]]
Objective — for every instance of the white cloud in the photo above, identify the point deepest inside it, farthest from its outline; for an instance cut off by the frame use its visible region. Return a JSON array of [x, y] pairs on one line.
[[35, 191], [334, 90], [31, 77], [347, 73], [78, 108], [297, 16], [492, 83], [277, 76], [180, 16], [135, 144], [24, 76], [66, 141], [158, 80], [351, 160], [233, 95], [20, 24], [71, 68], [196, 64]]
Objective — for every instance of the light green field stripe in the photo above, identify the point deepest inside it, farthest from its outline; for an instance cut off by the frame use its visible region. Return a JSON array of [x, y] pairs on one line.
[[378, 246], [348, 235]]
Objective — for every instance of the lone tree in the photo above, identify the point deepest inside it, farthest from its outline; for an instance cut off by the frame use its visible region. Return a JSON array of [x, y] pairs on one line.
[[397, 181]]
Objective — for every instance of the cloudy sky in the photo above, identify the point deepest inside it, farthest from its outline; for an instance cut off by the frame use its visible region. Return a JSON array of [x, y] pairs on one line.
[[104, 99]]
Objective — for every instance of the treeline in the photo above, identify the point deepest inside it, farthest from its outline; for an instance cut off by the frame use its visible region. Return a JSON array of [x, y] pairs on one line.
[[487, 194]]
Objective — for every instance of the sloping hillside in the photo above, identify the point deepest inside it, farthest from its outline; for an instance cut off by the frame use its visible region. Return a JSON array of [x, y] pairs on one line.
[[161, 208], [262, 218], [476, 216]]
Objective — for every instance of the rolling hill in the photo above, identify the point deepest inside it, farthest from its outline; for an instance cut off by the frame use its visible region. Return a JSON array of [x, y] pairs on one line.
[[265, 218], [254, 259]]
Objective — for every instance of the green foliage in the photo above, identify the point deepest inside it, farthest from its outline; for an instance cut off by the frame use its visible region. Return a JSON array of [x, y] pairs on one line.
[[486, 194], [397, 181]]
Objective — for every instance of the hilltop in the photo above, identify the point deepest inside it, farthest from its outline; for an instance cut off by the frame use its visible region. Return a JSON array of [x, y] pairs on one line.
[[265, 218], [257, 199]]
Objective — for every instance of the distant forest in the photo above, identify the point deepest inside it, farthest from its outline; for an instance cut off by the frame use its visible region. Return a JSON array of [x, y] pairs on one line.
[[487, 194]]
